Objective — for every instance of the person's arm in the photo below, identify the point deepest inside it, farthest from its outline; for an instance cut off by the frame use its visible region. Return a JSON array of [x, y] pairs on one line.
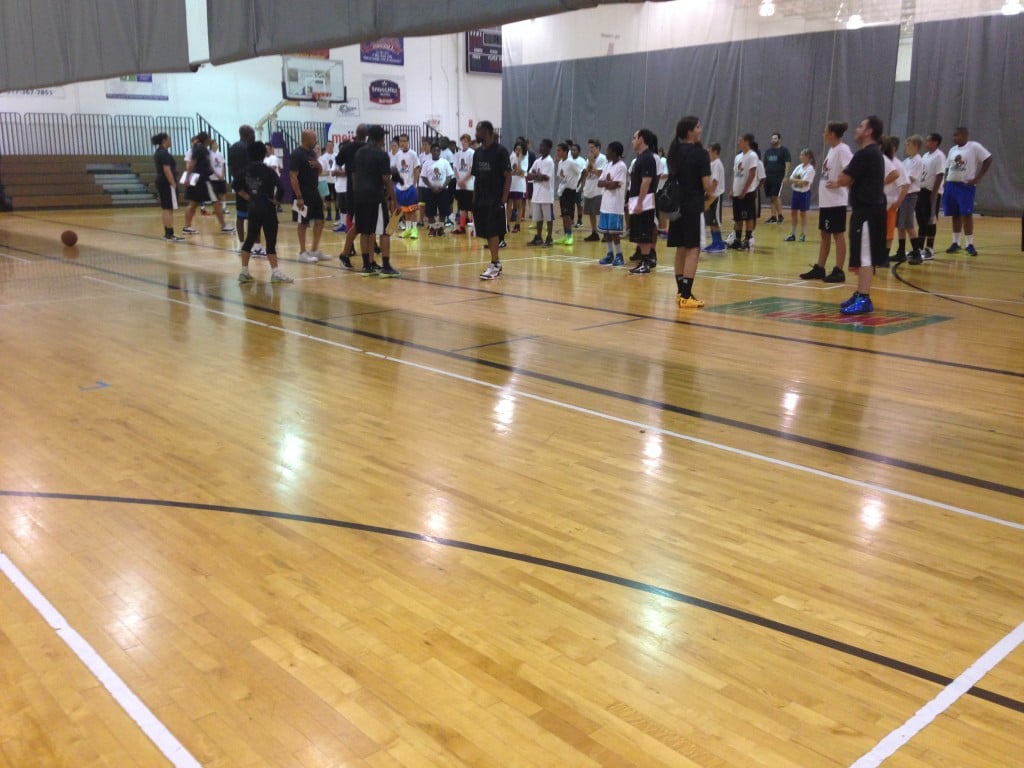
[[389, 192], [751, 183], [507, 186], [904, 188], [294, 176], [645, 186], [984, 169], [844, 180], [169, 175]]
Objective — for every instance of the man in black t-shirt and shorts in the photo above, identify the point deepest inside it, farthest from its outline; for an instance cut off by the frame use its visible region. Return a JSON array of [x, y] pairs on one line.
[[689, 163], [865, 176], [492, 175], [643, 186], [345, 163], [304, 170], [372, 199]]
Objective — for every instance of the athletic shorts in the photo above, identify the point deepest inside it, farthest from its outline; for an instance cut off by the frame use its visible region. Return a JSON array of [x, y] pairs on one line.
[[686, 231], [410, 197], [341, 201], [516, 195], [802, 201], [906, 219], [241, 207], [867, 238], [745, 208], [890, 223], [439, 203], [422, 192], [168, 196], [542, 211], [464, 198], [713, 213], [958, 199], [489, 221], [642, 227], [773, 185], [220, 187], [201, 192], [611, 223], [314, 208], [592, 205], [567, 202], [832, 220], [924, 210], [372, 218]]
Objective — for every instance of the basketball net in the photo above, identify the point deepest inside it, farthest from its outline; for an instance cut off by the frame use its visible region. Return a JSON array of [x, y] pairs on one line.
[[322, 99]]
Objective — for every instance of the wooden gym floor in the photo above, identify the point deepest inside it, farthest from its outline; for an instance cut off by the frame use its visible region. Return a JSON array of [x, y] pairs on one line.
[[548, 520]]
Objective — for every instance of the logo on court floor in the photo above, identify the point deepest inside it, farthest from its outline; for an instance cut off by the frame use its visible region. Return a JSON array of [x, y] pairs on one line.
[[826, 315]]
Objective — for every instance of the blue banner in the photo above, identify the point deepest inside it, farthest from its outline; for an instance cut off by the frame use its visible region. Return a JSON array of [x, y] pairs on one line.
[[387, 50]]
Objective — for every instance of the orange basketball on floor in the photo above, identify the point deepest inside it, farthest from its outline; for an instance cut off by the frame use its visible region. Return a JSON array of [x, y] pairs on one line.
[[68, 237]]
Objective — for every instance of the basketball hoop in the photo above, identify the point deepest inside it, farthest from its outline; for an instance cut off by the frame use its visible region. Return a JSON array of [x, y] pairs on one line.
[[322, 99]]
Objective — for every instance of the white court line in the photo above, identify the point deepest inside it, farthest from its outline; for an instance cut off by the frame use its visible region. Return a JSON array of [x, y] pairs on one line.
[[16, 258], [946, 698], [155, 730], [609, 417]]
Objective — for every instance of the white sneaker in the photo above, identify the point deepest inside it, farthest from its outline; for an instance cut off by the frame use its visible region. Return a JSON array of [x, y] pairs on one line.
[[307, 257], [321, 256], [493, 271], [190, 230], [277, 276], [927, 254], [258, 252], [226, 230]]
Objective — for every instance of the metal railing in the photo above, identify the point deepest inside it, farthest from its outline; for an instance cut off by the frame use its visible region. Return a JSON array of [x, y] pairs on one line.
[[205, 125], [46, 133]]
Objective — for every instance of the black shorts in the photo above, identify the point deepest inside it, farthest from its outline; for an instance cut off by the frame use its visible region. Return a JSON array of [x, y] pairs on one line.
[[685, 231], [773, 185], [926, 208], [201, 192], [867, 237], [421, 195], [371, 218], [464, 197], [241, 206], [341, 201], [567, 202], [713, 213], [220, 187], [832, 220], [642, 227], [168, 196], [489, 221], [745, 208], [314, 208]]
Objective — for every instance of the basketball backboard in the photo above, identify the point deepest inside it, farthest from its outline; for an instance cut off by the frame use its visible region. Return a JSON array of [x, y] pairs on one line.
[[302, 77]]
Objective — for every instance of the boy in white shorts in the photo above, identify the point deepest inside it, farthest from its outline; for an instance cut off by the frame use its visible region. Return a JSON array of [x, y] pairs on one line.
[[542, 174], [611, 222]]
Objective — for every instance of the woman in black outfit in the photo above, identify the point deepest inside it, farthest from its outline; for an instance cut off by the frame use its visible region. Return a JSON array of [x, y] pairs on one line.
[[262, 189], [166, 184]]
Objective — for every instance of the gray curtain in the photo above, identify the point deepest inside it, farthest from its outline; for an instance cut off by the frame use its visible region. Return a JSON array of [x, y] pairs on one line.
[[51, 42], [793, 85], [969, 72], [241, 29]]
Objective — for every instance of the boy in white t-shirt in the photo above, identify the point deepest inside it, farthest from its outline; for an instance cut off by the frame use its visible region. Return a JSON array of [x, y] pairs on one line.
[[462, 163], [568, 183], [542, 174], [611, 222], [966, 164], [407, 164], [906, 218], [896, 185], [930, 196], [713, 208], [832, 202]]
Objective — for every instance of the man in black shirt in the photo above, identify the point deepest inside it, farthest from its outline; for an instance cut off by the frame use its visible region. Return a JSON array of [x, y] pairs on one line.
[[344, 165], [643, 186], [865, 176], [372, 197], [777, 161], [238, 160], [689, 163], [492, 174], [304, 170]]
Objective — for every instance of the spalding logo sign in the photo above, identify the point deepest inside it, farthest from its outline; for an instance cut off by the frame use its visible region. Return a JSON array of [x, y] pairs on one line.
[[385, 92]]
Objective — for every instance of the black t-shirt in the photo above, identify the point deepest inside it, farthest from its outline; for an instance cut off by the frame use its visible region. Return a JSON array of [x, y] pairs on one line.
[[201, 161], [261, 182], [490, 164], [161, 158], [238, 161], [645, 167], [371, 165], [867, 169], [309, 177], [691, 164], [346, 157], [775, 161]]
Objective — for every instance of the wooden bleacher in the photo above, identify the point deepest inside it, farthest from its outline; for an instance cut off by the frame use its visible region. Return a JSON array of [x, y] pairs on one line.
[[81, 181]]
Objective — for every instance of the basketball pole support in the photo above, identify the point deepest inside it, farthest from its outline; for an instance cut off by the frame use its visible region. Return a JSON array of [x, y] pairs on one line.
[[271, 116]]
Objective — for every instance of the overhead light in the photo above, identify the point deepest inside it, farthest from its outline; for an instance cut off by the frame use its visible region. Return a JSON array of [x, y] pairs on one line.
[[1012, 8], [767, 8], [856, 21]]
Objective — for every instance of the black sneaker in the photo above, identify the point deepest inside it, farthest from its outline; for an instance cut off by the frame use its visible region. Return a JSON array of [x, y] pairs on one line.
[[388, 271], [772, 220], [346, 260], [652, 258], [899, 258], [593, 237], [817, 272], [835, 276], [174, 239], [915, 258], [643, 268], [635, 256], [549, 243], [535, 242], [737, 245]]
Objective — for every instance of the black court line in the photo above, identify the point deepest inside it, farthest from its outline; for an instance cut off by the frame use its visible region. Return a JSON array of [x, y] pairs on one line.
[[575, 570], [656, 318], [605, 325], [825, 445], [898, 276], [496, 343]]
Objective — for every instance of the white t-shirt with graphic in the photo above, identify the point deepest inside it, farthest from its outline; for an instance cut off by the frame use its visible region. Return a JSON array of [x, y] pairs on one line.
[[436, 173], [744, 163], [519, 181], [544, 191], [590, 188], [406, 164], [934, 166], [837, 158], [463, 166], [802, 177], [568, 175], [963, 163], [614, 200]]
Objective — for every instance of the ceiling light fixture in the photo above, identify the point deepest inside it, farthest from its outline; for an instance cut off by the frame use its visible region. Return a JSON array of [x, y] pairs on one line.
[[767, 8], [856, 21]]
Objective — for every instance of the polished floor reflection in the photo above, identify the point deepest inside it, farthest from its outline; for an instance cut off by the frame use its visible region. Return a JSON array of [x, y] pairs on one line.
[[545, 520]]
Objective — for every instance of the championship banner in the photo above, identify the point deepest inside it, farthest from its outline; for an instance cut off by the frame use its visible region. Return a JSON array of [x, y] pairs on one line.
[[387, 50]]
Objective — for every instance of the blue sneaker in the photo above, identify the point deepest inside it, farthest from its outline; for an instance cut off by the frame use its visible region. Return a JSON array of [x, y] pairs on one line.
[[971, 251], [619, 261], [850, 300], [860, 306], [954, 248], [340, 226], [607, 260], [718, 247]]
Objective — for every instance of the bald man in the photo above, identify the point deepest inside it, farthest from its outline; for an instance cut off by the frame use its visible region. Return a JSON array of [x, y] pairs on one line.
[[304, 170]]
